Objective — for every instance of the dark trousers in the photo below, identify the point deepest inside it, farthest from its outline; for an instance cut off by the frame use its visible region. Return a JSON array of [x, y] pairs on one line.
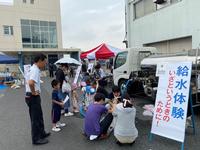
[[51, 73], [36, 116], [105, 123]]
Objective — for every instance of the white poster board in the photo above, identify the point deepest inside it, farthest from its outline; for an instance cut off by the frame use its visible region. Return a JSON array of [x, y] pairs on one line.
[[78, 70], [26, 70], [27, 74], [90, 66], [172, 101]]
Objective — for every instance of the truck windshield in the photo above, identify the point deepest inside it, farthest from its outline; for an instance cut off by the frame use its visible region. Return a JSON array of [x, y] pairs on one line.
[[120, 59]]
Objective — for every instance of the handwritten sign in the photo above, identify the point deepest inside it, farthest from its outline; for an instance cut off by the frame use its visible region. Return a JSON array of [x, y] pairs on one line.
[[78, 70], [172, 101]]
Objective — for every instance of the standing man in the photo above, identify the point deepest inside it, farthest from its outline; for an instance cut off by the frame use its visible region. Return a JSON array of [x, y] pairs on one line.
[[34, 102], [51, 70]]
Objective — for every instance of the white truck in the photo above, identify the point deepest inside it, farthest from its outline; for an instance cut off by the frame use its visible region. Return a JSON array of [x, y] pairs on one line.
[[129, 60], [139, 64]]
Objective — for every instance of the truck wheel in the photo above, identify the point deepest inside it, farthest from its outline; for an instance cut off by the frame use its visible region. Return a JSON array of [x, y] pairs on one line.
[[122, 85]]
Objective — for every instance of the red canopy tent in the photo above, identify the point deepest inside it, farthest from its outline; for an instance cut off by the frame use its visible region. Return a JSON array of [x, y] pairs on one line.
[[103, 51]]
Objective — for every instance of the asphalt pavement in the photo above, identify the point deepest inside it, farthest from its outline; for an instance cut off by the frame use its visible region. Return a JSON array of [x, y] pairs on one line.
[[15, 133]]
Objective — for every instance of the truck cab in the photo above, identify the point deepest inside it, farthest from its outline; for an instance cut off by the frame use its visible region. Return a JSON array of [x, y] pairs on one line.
[[129, 60]]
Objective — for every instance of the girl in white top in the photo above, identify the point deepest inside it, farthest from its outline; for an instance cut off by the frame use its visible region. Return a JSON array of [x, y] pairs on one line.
[[125, 131]]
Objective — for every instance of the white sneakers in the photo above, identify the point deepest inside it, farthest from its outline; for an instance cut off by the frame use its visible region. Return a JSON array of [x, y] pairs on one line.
[[56, 129], [68, 114], [58, 126]]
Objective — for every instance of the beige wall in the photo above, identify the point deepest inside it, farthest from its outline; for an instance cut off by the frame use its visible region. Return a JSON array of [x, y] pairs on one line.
[[45, 10], [173, 46]]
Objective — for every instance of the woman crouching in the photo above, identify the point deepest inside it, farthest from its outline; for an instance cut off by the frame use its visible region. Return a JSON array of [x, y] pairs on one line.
[[125, 131]]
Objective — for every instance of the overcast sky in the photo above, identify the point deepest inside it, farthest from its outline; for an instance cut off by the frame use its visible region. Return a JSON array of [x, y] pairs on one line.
[[88, 23]]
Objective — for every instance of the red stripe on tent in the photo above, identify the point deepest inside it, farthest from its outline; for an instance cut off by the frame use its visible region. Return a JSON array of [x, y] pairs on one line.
[[84, 54], [104, 52]]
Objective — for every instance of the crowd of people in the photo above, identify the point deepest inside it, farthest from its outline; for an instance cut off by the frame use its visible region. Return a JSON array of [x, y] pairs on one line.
[[103, 112]]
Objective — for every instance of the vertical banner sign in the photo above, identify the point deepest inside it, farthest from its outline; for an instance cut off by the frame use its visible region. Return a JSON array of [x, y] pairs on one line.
[[78, 70], [172, 101]]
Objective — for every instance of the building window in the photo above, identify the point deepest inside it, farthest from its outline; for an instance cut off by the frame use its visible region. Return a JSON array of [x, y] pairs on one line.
[[8, 30], [143, 7], [24, 1], [39, 34], [32, 1]]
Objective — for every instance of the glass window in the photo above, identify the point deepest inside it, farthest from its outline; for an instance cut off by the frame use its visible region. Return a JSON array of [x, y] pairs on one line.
[[43, 23], [44, 37], [26, 34], [35, 34], [25, 22], [8, 30], [44, 29], [39, 34], [34, 22], [52, 23], [139, 9], [54, 45], [26, 45], [120, 59]]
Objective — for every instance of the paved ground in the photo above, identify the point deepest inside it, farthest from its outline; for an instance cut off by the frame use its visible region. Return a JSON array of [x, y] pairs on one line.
[[15, 128]]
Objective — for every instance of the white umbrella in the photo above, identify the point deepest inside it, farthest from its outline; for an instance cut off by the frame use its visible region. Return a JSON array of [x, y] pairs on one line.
[[68, 60]]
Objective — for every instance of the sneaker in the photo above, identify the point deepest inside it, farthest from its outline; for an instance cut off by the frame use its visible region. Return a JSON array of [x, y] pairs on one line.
[[76, 111], [56, 129], [59, 124], [68, 114]]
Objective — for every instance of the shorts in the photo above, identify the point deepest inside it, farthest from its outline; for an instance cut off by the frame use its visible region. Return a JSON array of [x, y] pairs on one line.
[[55, 115]]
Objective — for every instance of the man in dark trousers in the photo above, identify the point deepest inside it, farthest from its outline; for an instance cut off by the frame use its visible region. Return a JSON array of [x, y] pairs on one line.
[[33, 100], [51, 70]]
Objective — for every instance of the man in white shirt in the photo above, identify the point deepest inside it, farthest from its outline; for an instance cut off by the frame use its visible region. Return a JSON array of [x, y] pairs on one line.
[[33, 100]]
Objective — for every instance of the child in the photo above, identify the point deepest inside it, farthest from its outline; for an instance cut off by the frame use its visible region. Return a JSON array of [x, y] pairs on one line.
[[74, 98], [57, 104], [115, 94], [93, 128], [66, 89]]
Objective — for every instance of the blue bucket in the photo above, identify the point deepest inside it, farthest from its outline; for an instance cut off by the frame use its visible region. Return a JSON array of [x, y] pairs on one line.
[[2, 86]]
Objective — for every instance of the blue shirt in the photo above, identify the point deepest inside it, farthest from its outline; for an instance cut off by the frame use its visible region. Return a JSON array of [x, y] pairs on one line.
[[56, 95]]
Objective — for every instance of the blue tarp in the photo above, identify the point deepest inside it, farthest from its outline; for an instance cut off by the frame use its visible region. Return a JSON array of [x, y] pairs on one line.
[[5, 59]]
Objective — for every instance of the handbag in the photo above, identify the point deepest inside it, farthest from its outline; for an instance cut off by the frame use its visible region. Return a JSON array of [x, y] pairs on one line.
[[66, 87]]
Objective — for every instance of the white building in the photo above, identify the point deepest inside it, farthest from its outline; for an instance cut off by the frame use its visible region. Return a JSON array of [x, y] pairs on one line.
[[170, 26], [29, 26]]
